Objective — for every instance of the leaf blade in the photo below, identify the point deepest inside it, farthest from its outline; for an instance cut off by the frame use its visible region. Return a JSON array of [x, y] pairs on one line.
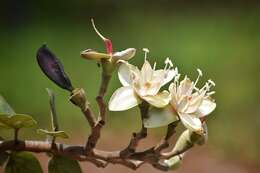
[[23, 162], [5, 107], [61, 134], [62, 164]]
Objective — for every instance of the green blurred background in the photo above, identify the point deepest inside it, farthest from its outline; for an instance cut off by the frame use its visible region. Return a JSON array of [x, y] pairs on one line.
[[220, 37]]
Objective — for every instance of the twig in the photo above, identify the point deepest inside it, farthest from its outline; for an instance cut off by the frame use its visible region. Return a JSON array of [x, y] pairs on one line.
[[165, 141], [96, 129], [137, 136], [16, 131]]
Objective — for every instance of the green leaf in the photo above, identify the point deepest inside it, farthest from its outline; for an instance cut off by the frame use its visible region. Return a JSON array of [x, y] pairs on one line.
[[3, 158], [62, 164], [3, 126], [23, 162], [17, 121], [174, 162], [60, 134], [5, 107]]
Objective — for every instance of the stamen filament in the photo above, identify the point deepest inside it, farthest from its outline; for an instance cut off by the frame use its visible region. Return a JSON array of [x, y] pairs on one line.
[[146, 51], [154, 65], [199, 75]]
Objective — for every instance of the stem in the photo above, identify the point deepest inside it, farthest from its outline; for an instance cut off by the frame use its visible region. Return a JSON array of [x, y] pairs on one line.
[[101, 93], [16, 130], [96, 129], [144, 106], [165, 141], [54, 117]]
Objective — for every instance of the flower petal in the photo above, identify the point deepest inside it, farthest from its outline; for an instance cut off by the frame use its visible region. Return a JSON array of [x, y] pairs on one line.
[[206, 107], [183, 104], [165, 75], [195, 102], [124, 74], [191, 122], [122, 99], [160, 117], [146, 72], [160, 100], [185, 88], [173, 92], [125, 54]]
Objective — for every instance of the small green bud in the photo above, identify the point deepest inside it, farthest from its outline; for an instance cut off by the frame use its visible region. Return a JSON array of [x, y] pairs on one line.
[[183, 143], [174, 163], [78, 97], [202, 138]]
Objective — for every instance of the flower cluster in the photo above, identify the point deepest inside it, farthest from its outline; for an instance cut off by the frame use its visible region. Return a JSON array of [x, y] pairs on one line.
[[183, 101]]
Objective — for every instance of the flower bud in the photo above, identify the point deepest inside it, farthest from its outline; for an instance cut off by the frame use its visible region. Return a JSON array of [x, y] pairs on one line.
[[174, 163], [93, 55], [78, 97], [183, 143], [52, 68], [202, 138]]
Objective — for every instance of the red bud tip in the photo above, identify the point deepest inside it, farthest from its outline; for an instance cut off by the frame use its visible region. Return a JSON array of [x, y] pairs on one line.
[[108, 43]]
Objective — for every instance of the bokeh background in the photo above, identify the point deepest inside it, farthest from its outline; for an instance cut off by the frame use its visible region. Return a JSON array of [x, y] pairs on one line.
[[220, 37]]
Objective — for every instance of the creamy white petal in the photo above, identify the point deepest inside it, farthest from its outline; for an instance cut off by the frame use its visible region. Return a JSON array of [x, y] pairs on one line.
[[206, 107], [122, 99], [160, 100], [160, 117], [146, 72], [124, 74], [191, 122], [183, 104], [173, 92], [185, 88], [125, 54], [194, 102], [154, 87], [166, 75]]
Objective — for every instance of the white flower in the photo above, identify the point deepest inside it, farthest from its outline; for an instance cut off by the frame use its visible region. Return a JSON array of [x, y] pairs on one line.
[[188, 103], [141, 85]]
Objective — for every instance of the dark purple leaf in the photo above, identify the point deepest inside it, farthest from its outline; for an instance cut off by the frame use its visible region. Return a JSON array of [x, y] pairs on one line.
[[52, 68]]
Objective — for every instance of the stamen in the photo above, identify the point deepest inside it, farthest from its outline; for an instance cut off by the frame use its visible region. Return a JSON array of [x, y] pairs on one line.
[[199, 75], [205, 87], [211, 82], [154, 65], [168, 64], [146, 51], [211, 93], [176, 79], [199, 71], [176, 70]]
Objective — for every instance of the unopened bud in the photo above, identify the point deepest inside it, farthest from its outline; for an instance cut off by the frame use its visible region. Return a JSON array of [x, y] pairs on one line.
[[78, 97], [174, 163], [202, 138], [93, 55]]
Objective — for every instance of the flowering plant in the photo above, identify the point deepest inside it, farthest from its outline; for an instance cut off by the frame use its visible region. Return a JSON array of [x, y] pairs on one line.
[[183, 102]]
